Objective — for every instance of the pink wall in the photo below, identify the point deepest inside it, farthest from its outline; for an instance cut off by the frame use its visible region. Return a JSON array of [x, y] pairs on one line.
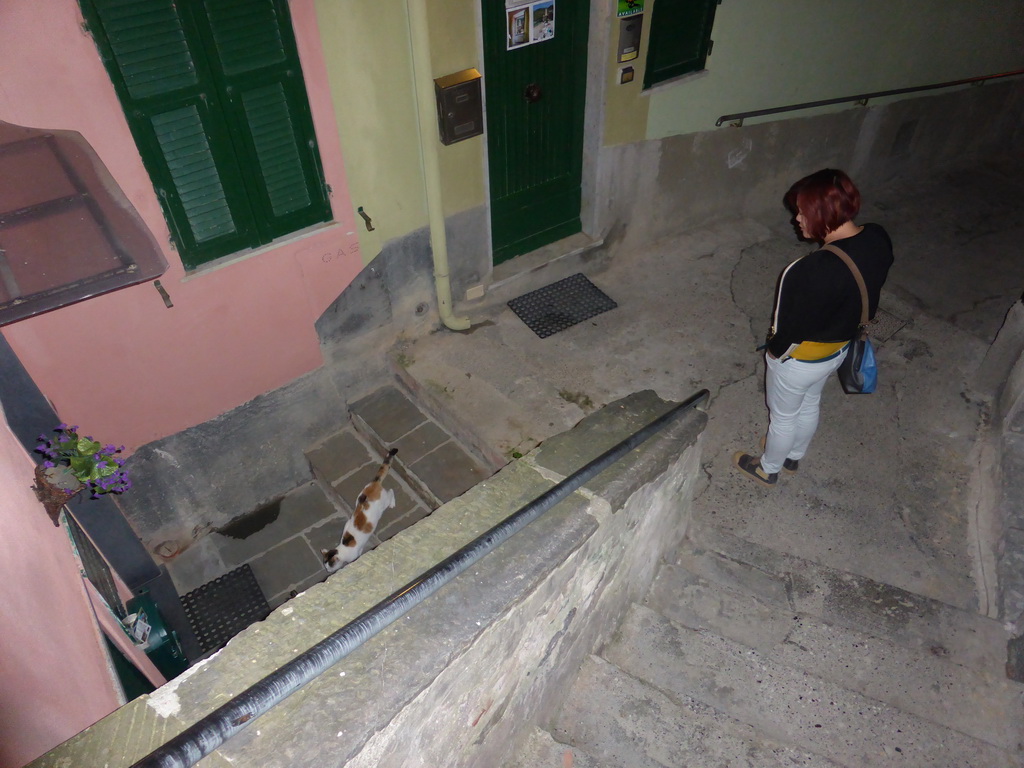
[[54, 679], [123, 366]]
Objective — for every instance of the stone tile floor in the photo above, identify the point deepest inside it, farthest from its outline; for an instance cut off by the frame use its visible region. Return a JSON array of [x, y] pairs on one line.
[[429, 458], [281, 541]]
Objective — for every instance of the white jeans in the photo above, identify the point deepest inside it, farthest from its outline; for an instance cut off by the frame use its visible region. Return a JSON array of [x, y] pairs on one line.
[[793, 393]]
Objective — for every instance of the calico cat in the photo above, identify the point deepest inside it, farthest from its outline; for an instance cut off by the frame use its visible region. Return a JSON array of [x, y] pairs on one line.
[[369, 507]]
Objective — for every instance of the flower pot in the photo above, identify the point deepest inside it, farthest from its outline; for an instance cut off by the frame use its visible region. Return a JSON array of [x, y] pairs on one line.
[[54, 488]]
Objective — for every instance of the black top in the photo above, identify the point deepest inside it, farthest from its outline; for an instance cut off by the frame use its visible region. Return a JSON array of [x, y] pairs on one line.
[[817, 297]]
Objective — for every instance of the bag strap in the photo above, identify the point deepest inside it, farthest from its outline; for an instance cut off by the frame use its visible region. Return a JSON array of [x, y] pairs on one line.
[[856, 276]]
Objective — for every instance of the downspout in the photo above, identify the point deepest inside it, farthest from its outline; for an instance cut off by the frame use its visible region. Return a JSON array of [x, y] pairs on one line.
[[419, 36]]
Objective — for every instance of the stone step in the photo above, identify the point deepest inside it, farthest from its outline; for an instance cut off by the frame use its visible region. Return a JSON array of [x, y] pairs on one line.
[[542, 751], [280, 541], [846, 599], [429, 459], [913, 680], [789, 705], [542, 267], [623, 721], [342, 466]]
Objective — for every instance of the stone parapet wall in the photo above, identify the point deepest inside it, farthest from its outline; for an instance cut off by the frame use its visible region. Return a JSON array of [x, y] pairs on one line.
[[999, 479], [1009, 423], [465, 675]]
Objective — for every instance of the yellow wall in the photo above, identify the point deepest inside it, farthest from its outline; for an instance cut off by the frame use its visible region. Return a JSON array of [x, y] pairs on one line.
[[369, 62], [626, 105], [791, 51], [369, 65], [765, 55], [455, 46]]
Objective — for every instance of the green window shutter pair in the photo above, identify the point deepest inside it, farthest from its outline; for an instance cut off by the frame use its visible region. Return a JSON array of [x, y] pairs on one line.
[[215, 99], [680, 38]]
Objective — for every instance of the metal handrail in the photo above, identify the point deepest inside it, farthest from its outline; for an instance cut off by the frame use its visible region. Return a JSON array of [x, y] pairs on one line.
[[210, 732], [862, 97]]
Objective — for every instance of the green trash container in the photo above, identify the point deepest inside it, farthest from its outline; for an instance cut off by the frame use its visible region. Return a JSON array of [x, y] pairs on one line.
[[162, 647]]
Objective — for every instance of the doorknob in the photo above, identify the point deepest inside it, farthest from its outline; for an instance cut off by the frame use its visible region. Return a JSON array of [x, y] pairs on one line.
[[532, 93]]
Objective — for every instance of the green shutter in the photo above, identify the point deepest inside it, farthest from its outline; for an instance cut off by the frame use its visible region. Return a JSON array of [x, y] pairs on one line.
[[679, 38], [217, 105], [254, 56], [276, 145], [247, 35], [149, 46], [194, 176]]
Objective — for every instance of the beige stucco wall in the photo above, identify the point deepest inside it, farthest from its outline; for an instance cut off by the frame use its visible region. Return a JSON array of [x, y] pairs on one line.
[[455, 46], [370, 69], [765, 55], [792, 51]]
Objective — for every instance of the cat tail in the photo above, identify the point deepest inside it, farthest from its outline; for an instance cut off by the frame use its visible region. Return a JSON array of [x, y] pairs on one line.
[[385, 466]]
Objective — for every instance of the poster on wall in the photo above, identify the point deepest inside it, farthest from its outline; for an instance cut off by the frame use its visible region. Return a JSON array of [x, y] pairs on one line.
[[630, 7], [530, 22], [543, 17]]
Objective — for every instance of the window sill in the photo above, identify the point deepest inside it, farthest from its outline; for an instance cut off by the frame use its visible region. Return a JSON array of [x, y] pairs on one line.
[[674, 81], [235, 258]]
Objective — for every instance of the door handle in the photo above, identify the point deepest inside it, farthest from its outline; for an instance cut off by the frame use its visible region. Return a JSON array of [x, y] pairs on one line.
[[532, 93]]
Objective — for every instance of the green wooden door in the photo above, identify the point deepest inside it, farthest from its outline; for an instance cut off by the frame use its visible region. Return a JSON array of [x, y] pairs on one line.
[[535, 99]]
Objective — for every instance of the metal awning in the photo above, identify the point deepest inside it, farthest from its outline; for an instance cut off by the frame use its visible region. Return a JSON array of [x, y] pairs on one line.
[[67, 231]]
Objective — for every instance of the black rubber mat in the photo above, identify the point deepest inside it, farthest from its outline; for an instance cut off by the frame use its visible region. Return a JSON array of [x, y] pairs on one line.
[[561, 305], [222, 608]]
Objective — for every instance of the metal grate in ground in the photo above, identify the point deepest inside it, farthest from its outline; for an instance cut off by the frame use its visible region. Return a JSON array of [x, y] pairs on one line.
[[884, 326], [560, 305], [222, 608]]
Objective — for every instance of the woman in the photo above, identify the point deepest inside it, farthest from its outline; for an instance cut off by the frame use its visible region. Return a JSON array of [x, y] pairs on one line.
[[817, 312]]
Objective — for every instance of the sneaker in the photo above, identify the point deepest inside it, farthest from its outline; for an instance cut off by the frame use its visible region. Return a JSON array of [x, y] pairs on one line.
[[752, 467], [790, 465]]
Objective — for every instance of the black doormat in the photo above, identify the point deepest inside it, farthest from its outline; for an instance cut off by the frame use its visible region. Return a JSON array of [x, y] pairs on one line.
[[222, 608], [560, 305]]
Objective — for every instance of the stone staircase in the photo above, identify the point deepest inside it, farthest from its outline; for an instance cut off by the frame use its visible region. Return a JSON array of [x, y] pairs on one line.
[[431, 459], [431, 468], [744, 656], [281, 541]]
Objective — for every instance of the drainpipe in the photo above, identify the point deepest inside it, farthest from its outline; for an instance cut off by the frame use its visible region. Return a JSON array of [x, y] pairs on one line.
[[419, 35]]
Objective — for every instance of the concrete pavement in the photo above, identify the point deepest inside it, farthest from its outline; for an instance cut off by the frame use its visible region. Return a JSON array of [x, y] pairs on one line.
[[885, 489]]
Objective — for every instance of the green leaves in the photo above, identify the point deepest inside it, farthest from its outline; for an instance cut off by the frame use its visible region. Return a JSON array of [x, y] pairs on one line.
[[84, 468], [92, 463], [87, 447], [85, 460]]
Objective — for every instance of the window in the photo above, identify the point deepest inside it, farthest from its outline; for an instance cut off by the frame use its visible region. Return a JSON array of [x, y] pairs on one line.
[[680, 38], [214, 96]]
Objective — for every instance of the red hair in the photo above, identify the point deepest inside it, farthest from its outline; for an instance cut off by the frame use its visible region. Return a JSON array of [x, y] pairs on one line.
[[827, 199]]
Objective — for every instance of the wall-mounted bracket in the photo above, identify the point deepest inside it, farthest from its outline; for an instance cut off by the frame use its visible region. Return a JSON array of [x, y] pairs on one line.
[[367, 219]]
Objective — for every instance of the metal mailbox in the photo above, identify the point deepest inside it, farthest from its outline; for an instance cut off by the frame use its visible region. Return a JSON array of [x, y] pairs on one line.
[[459, 106]]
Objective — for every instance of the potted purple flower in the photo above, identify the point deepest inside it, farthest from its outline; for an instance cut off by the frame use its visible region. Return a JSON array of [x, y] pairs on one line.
[[72, 464]]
